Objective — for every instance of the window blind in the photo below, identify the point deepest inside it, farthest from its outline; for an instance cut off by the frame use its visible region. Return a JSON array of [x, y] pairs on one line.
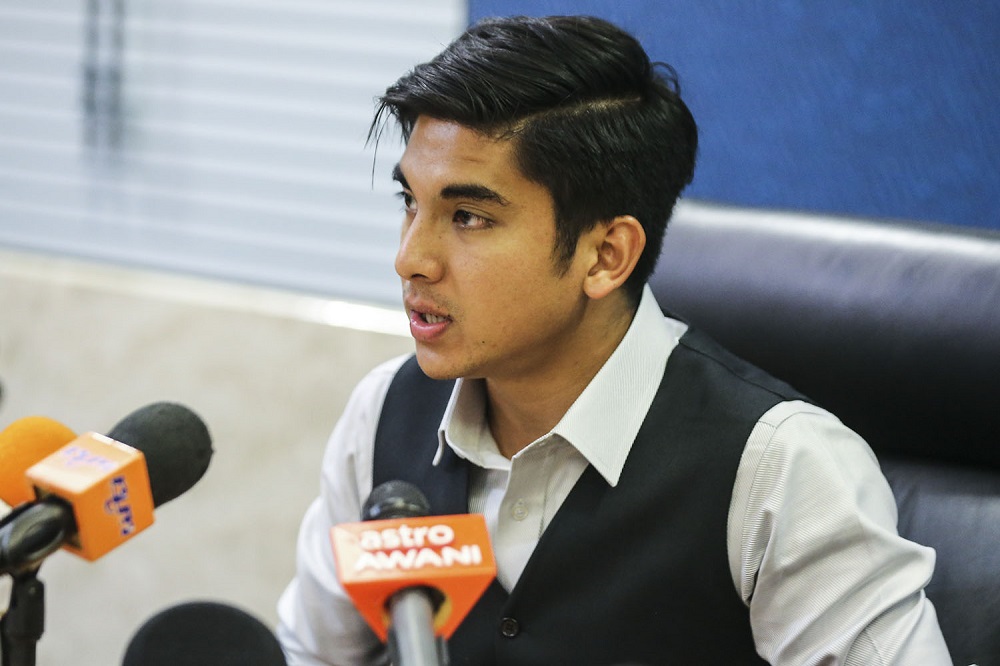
[[212, 137]]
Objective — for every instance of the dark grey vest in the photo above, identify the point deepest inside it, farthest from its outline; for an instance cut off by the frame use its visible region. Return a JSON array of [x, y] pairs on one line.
[[636, 574]]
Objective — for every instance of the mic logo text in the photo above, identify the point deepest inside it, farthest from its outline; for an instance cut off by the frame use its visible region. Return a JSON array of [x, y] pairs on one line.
[[80, 456], [407, 548], [118, 504]]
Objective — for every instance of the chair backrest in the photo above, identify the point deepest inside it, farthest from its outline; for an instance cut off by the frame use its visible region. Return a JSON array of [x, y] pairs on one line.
[[895, 328]]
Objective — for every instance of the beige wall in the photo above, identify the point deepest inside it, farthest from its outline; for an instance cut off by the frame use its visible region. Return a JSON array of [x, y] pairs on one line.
[[268, 372]]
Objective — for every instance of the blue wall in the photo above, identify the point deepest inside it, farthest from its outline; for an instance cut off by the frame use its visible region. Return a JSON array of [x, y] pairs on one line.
[[882, 109]]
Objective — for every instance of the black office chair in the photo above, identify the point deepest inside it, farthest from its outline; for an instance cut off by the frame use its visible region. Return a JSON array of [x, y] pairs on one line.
[[895, 328]]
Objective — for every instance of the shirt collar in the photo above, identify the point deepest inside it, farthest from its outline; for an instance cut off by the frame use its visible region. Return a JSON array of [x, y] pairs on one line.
[[604, 420]]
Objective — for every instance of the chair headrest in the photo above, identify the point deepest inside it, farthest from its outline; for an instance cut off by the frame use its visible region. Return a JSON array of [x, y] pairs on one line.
[[893, 327]]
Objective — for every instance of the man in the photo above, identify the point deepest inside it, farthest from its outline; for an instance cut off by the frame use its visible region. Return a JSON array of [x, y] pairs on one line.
[[650, 498]]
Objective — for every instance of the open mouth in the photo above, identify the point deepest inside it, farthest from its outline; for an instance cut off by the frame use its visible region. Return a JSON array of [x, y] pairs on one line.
[[433, 318], [426, 326]]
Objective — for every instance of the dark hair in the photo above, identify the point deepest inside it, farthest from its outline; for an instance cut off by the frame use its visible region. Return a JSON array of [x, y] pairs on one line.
[[591, 118]]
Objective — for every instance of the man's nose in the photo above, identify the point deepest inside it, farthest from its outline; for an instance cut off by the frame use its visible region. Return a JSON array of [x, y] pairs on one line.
[[419, 254]]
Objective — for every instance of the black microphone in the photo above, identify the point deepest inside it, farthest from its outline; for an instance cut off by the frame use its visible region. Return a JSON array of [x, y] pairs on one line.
[[97, 491], [175, 442], [412, 639], [413, 577], [94, 493], [203, 633]]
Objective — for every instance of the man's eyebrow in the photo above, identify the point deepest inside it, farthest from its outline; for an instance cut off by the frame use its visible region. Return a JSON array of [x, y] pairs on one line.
[[397, 175], [458, 190], [474, 192]]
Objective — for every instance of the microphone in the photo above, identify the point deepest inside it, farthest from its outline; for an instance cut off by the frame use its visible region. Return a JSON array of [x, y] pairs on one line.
[[98, 491], [413, 577], [203, 633], [23, 443]]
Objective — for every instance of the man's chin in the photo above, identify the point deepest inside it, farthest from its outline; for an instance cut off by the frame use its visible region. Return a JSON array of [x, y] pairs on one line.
[[436, 367]]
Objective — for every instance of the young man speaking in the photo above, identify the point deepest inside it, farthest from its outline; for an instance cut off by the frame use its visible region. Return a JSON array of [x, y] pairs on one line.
[[651, 499]]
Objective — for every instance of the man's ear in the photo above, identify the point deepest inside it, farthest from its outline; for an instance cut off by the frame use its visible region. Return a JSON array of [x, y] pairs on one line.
[[618, 244]]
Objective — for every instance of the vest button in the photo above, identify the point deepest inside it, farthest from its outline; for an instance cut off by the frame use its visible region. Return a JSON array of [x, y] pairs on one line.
[[509, 627]]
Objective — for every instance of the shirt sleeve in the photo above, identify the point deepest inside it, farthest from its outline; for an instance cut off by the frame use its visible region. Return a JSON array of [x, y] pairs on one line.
[[317, 622], [815, 554]]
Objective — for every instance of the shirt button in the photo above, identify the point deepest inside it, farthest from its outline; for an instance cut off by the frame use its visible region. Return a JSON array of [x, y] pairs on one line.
[[520, 510], [509, 627]]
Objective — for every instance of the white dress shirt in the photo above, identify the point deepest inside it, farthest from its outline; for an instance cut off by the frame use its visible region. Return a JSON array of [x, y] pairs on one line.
[[812, 540]]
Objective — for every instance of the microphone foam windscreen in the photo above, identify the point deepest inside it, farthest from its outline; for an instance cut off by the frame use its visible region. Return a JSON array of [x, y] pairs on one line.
[[203, 633], [22, 444], [395, 499], [175, 442]]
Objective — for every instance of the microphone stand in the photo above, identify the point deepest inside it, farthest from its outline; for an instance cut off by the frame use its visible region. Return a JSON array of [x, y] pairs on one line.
[[28, 535], [23, 623]]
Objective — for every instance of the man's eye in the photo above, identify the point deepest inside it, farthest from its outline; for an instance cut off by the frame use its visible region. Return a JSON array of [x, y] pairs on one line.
[[467, 220], [407, 199]]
